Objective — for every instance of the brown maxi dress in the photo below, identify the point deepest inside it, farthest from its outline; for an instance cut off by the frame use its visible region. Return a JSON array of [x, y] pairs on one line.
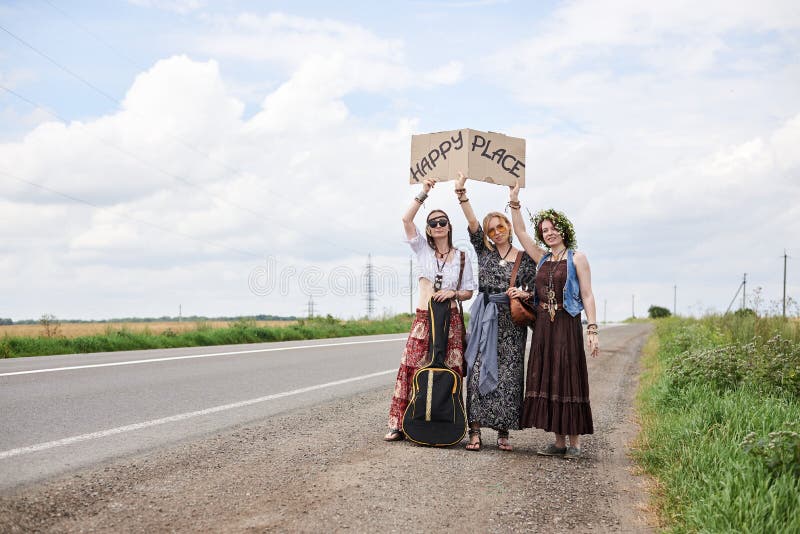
[[557, 389]]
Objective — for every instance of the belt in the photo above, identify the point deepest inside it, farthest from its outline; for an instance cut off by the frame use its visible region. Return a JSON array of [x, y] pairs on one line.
[[492, 290]]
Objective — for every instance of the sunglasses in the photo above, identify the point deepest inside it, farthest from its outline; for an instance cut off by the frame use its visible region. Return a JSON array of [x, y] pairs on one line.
[[442, 222], [499, 229]]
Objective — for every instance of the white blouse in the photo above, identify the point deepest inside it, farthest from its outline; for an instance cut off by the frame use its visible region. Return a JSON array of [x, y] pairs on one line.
[[426, 266]]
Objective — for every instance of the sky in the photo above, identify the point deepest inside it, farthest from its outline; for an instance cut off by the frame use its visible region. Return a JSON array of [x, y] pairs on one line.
[[235, 157]]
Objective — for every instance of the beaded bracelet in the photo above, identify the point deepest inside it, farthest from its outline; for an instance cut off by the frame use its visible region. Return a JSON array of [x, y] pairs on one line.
[[462, 200]]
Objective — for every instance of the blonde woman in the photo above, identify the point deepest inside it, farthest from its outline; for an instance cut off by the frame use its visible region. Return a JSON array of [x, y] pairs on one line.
[[496, 352]]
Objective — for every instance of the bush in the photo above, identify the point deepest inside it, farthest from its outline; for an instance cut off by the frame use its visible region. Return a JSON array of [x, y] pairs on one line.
[[657, 312], [770, 367], [5, 349], [720, 412], [780, 450]]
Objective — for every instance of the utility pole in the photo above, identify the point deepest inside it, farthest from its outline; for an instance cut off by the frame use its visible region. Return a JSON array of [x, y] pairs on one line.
[[737, 294], [633, 308], [180, 313], [784, 283], [310, 307], [605, 308], [370, 288], [744, 291], [675, 300]]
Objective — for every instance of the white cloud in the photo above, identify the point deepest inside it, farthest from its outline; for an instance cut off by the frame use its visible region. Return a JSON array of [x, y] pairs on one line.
[[667, 132], [289, 182], [336, 57]]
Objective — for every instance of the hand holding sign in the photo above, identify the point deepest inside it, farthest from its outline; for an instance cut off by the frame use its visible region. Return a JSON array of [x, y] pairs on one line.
[[461, 181], [486, 156], [513, 194]]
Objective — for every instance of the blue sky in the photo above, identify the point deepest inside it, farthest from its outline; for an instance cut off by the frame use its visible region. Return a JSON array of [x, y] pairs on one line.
[[238, 157]]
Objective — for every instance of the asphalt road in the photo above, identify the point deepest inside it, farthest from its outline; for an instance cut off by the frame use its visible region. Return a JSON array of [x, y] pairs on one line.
[[61, 413], [290, 441]]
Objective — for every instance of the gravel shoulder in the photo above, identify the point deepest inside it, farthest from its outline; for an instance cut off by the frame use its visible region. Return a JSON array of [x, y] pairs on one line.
[[326, 467]]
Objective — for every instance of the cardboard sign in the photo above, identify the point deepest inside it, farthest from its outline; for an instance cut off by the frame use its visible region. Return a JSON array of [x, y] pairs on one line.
[[485, 156]]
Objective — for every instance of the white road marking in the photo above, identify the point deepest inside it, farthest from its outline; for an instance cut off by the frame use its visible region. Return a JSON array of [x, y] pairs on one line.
[[190, 356], [181, 417]]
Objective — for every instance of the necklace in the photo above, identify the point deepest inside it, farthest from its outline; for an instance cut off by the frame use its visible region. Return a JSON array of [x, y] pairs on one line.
[[552, 303], [503, 261], [437, 284]]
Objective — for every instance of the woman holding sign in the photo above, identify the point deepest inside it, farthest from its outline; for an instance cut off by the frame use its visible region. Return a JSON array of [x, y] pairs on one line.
[[496, 352], [438, 269], [557, 390]]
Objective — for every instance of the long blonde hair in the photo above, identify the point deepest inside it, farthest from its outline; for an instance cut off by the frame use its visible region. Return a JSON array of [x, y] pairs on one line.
[[489, 216]]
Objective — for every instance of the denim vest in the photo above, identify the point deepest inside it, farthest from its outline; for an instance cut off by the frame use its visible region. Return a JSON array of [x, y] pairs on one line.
[[572, 290]]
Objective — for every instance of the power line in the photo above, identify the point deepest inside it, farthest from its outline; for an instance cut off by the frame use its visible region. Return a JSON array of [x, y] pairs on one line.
[[177, 138], [134, 219], [271, 220], [136, 157], [94, 35]]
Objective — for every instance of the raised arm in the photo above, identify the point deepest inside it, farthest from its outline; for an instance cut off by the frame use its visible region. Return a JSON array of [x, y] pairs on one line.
[[466, 207], [528, 243], [408, 216], [587, 296]]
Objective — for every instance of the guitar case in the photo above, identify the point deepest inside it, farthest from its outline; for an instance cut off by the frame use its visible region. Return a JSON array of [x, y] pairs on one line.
[[435, 415]]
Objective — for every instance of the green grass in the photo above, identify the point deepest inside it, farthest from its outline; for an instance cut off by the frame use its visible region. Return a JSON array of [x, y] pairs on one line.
[[242, 331], [720, 412]]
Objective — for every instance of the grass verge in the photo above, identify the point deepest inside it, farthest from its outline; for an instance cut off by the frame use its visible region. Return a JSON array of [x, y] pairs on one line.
[[242, 331], [719, 405]]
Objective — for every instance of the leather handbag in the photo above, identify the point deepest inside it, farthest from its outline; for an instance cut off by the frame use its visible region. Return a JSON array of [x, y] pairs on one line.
[[521, 313]]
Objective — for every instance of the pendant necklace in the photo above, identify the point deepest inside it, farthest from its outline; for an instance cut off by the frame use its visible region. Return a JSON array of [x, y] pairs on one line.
[[437, 284], [552, 303], [503, 261]]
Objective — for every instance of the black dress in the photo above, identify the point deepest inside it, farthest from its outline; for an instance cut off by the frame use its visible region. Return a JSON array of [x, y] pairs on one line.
[[500, 409], [557, 390]]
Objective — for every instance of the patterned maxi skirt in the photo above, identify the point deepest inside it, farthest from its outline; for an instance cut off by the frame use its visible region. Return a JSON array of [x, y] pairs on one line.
[[501, 408], [416, 355]]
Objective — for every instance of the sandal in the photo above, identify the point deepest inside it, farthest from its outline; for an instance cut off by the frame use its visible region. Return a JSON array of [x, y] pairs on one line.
[[394, 435], [474, 446], [502, 441]]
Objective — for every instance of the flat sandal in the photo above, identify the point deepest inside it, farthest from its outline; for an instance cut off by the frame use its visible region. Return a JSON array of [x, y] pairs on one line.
[[474, 447], [503, 434]]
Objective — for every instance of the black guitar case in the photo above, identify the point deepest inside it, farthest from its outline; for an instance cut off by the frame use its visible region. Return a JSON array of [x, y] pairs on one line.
[[435, 415]]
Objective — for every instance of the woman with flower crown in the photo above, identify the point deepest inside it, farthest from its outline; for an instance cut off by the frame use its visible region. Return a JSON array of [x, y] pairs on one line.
[[557, 389], [438, 271]]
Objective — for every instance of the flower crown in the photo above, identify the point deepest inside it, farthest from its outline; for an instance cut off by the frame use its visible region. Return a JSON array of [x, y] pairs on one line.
[[560, 222]]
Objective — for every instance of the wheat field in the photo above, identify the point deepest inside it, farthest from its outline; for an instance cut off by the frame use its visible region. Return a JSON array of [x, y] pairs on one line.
[[72, 330]]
